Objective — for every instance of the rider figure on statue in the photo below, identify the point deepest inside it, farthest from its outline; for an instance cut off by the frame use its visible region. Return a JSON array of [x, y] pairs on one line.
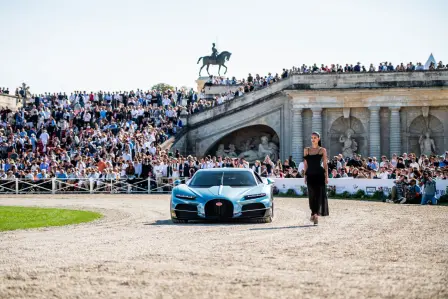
[[214, 52]]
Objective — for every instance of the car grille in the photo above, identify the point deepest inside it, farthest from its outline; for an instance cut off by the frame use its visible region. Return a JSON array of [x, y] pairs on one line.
[[248, 210], [187, 207], [186, 211], [223, 211], [253, 206]]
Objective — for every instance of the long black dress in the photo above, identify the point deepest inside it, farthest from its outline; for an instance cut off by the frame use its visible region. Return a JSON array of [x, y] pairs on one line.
[[317, 191]]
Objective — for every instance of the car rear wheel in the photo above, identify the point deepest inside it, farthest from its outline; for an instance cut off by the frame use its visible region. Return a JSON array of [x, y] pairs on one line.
[[179, 220]]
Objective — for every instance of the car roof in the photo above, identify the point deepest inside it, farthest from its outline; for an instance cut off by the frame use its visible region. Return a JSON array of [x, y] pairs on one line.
[[227, 169]]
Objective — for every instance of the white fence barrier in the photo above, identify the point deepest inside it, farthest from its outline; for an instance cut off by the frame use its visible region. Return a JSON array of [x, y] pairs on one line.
[[88, 186], [351, 185], [165, 185]]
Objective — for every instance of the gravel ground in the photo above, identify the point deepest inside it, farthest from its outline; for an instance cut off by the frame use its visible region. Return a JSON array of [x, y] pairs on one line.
[[363, 250]]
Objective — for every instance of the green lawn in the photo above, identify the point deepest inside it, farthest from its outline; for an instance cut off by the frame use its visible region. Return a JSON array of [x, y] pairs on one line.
[[12, 218]]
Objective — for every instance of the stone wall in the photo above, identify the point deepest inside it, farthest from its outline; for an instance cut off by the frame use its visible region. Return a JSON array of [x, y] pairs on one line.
[[382, 119], [9, 101]]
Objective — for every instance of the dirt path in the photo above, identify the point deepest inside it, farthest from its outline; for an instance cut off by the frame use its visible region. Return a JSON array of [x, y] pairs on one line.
[[363, 250]]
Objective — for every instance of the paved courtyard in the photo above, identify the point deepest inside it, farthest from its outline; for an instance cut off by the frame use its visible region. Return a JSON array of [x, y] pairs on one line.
[[363, 250]]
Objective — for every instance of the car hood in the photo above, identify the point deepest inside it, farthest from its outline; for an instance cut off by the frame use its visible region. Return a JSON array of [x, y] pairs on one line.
[[233, 193]]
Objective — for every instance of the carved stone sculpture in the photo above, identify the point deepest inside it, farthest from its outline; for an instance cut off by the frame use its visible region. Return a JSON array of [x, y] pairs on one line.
[[220, 152], [264, 148], [232, 153], [427, 145], [349, 144]]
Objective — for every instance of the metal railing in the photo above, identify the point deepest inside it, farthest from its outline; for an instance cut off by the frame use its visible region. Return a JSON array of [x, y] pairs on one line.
[[89, 186]]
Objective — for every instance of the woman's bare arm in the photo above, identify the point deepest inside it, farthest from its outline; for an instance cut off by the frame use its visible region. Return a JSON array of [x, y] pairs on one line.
[[325, 161], [305, 164]]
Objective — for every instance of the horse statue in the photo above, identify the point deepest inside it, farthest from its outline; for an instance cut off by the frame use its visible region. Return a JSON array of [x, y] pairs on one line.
[[219, 60]]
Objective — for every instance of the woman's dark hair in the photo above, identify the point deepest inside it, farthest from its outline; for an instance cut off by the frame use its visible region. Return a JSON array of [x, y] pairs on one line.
[[318, 135]]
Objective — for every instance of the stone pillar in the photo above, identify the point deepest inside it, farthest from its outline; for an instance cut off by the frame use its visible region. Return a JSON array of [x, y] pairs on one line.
[[316, 125], [297, 134], [395, 131], [374, 133]]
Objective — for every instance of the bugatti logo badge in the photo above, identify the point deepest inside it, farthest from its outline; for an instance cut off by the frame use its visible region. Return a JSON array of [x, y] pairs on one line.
[[218, 204]]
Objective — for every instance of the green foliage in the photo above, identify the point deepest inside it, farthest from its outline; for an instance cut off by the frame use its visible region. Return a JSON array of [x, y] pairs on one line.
[[345, 194], [291, 192], [331, 191], [444, 198], [378, 194], [12, 218], [304, 190], [360, 194], [163, 87]]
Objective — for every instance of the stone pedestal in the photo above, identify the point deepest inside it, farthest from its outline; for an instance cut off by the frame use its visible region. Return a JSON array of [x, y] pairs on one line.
[[374, 133], [316, 124], [183, 116], [201, 82], [297, 135], [395, 131]]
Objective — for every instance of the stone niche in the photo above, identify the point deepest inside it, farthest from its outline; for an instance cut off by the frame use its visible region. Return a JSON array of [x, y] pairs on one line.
[[419, 126], [245, 142], [338, 132]]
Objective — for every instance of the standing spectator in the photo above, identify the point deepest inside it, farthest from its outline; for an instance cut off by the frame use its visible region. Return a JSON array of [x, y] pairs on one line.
[[429, 189]]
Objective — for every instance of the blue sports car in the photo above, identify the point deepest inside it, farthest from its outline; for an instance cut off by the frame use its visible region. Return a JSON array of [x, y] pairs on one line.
[[221, 194]]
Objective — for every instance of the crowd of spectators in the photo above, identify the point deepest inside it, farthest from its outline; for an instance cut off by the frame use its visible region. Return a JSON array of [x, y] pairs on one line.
[[262, 81], [4, 90], [252, 83], [120, 135], [89, 134]]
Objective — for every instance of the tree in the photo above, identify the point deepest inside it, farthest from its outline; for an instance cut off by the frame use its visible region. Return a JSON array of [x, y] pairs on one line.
[[162, 87]]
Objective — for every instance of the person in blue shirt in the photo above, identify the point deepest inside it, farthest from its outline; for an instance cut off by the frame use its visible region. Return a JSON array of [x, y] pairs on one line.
[[103, 113], [429, 189], [413, 193], [44, 166]]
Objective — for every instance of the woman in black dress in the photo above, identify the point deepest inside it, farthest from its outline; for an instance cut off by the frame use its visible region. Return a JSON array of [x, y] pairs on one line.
[[316, 177]]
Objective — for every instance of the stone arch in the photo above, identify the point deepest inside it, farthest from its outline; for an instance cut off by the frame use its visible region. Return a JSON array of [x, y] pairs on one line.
[[245, 140], [339, 127], [419, 126]]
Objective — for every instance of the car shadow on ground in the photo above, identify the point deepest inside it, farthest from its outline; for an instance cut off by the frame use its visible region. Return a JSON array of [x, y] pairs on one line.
[[202, 222], [228, 222], [283, 227]]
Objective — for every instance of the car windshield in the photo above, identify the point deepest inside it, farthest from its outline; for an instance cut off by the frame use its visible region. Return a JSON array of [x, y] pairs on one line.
[[208, 179]]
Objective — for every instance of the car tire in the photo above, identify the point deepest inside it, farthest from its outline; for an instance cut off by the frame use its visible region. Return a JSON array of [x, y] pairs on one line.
[[179, 220], [264, 220]]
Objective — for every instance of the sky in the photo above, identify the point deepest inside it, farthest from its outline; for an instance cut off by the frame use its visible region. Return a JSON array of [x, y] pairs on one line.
[[61, 45]]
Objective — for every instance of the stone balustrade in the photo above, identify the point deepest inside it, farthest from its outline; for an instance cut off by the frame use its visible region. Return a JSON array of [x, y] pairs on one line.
[[12, 102]]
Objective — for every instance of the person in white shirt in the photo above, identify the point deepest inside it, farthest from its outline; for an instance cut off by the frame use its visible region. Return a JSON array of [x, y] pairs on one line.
[[384, 175], [414, 164], [127, 156], [383, 162], [166, 101], [87, 117], [44, 137], [301, 167], [158, 169]]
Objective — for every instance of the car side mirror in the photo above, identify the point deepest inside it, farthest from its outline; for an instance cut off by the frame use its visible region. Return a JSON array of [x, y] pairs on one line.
[[269, 181], [177, 182]]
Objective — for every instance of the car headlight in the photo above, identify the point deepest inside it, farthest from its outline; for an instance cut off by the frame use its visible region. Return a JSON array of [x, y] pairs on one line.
[[183, 196], [252, 196]]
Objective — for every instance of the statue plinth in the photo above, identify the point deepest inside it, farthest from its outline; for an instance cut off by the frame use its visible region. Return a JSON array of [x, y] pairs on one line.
[[201, 83]]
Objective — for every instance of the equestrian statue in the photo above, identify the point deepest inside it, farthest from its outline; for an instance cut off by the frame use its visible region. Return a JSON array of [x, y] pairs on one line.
[[215, 59]]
